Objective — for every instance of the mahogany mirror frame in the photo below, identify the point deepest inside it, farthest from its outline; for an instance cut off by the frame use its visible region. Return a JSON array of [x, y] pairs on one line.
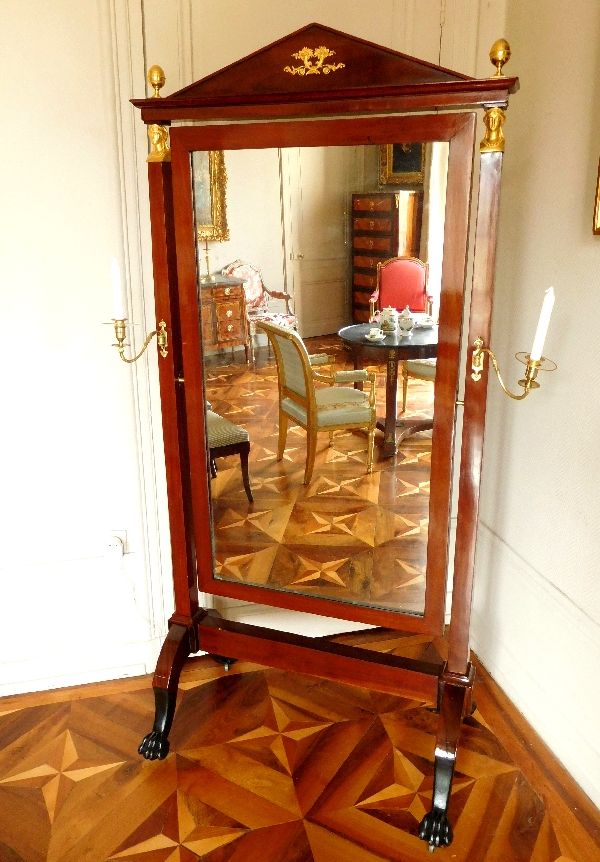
[[248, 91], [458, 129]]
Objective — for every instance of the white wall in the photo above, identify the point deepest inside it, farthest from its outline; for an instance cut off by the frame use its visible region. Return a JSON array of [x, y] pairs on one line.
[[253, 215], [537, 615], [81, 445]]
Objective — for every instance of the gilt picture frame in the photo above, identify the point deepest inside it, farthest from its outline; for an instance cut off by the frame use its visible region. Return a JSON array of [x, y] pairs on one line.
[[209, 180], [596, 227], [402, 164]]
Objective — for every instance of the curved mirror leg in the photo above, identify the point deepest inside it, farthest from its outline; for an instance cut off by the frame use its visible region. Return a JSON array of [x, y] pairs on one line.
[[435, 827], [155, 745], [175, 650]]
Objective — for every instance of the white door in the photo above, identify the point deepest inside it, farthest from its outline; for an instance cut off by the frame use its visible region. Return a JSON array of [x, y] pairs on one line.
[[317, 184]]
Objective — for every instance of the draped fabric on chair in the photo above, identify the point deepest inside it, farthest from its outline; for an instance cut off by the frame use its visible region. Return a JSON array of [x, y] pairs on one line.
[[401, 282], [258, 296], [326, 408]]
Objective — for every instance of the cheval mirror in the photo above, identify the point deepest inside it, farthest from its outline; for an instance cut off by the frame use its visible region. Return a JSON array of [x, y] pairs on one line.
[[363, 534]]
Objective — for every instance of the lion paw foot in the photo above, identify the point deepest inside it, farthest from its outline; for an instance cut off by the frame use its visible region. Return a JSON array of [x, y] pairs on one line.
[[154, 746], [435, 828]]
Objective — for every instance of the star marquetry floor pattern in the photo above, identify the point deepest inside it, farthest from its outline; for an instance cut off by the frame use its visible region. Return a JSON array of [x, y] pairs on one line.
[[347, 535], [267, 766]]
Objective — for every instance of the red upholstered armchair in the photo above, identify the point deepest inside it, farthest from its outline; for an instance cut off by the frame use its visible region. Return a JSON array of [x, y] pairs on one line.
[[257, 298], [401, 281]]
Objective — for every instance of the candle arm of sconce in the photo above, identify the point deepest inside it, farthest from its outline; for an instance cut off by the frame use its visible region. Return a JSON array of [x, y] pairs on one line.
[[528, 383], [161, 334]]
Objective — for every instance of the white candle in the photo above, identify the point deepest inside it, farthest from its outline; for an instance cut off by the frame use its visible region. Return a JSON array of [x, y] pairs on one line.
[[542, 327], [115, 274]]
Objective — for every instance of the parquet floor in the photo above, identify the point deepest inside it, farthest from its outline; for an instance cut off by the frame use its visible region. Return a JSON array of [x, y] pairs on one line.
[[346, 536], [267, 766]]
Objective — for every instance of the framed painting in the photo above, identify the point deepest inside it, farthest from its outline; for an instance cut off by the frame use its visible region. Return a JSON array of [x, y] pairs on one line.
[[209, 184], [402, 164]]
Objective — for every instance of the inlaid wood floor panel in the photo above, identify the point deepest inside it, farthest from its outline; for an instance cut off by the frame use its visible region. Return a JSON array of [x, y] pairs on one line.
[[267, 766], [347, 535]]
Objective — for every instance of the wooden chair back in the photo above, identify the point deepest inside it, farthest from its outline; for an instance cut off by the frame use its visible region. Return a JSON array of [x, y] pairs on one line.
[[294, 370]]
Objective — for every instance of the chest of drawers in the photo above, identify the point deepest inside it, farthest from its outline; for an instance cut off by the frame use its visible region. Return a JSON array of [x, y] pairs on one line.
[[223, 314], [374, 239]]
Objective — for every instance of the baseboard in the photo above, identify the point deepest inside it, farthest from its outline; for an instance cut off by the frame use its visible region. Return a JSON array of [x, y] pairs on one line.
[[78, 667], [544, 652]]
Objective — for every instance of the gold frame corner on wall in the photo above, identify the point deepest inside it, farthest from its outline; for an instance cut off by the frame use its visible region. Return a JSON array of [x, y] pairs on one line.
[[597, 205], [217, 230], [387, 177]]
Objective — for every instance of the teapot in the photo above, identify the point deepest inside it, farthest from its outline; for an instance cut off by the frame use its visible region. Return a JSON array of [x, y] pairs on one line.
[[388, 319], [406, 321]]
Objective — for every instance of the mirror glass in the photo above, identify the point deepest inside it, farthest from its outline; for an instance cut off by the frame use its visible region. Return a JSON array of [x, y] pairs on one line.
[[307, 230]]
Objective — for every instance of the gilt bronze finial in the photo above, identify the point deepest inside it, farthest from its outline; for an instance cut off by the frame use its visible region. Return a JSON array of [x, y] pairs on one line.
[[156, 79], [499, 56]]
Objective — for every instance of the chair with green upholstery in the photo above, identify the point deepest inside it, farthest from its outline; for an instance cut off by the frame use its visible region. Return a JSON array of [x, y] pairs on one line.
[[318, 408]]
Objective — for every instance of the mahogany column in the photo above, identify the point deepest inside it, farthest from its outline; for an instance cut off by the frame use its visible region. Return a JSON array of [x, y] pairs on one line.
[[173, 395], [474, 414]]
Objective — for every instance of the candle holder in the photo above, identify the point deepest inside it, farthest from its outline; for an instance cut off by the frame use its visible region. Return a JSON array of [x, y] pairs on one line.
[[528, 382], [120, 334], [206, 279]]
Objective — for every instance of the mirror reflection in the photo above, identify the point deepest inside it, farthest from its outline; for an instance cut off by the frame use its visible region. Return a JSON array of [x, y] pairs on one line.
[[319, 331]]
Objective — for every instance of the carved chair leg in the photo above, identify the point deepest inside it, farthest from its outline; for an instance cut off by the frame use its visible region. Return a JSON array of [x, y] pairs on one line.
[[175, 650], [435, 827], [283, 427], [244, 451], [370, 450], [311, 451]]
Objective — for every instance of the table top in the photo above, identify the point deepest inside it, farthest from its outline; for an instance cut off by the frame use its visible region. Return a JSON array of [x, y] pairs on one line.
[[220, 281], [420, 344]]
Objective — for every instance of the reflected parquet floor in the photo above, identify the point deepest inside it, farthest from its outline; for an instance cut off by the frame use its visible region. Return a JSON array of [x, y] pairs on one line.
[[267, 766], [347, 535]]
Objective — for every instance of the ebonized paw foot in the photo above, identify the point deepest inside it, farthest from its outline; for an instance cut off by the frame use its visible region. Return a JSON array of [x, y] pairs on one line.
[[435, 828], [154, 746]]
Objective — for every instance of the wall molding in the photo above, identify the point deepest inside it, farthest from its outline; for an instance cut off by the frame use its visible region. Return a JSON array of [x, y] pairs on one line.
[[128, 57], [540, 648]]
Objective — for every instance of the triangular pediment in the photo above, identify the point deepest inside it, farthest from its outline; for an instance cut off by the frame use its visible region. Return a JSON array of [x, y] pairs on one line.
[[318, 71], [317, 59]]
